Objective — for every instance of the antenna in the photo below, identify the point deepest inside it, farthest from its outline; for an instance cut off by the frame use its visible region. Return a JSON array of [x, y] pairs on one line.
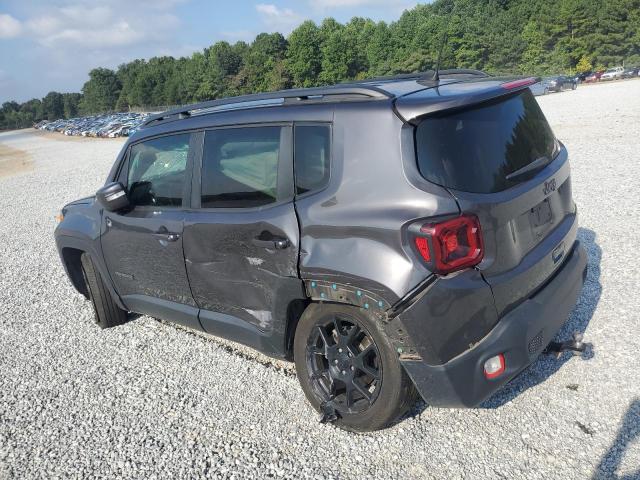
[[436, 74]]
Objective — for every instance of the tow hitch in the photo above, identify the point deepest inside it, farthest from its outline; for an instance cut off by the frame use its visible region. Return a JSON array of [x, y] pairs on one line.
[[576, 345]]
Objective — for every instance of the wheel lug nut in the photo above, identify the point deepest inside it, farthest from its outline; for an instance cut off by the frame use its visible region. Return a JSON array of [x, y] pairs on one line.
[[352, 367], [335, 361], [343, 372], [339, 350]]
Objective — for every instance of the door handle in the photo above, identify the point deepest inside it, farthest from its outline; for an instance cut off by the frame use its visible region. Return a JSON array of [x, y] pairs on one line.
[[274, 243], [167, 236]]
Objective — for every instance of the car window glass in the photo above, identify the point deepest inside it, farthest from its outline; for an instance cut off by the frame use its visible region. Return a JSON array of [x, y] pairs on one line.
[[312, 157], [240, 167], [157, 171]]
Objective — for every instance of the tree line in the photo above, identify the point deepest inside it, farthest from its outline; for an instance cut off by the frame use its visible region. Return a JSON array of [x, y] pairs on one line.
[[498, 36]]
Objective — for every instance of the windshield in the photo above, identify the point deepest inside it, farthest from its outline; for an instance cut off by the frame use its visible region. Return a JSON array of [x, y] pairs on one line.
[[484, 149]]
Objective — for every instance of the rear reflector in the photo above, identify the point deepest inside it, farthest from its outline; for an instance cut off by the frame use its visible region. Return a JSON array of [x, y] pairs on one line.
[[423, 248], [451, 245], [519, 83], [494, 367]]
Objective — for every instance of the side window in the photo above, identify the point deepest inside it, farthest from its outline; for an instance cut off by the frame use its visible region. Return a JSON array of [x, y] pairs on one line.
[[312, 157], [157, 171], [240, 167]]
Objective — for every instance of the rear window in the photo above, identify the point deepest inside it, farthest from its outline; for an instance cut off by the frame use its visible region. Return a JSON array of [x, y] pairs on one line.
[[240, 167], [484, 149]]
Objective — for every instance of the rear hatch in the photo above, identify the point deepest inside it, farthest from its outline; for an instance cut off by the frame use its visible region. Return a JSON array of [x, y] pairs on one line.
[[499, 158]]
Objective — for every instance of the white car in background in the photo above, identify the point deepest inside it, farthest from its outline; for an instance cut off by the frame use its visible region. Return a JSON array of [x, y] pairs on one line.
[[612, 74]]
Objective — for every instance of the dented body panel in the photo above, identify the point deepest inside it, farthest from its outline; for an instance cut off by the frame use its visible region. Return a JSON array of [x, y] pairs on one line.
[[229, 274], [354, 231]]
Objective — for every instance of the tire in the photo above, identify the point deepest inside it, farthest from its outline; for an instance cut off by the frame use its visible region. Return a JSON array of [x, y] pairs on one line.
[[107, 312], [367, 365], [546, 91], [574, 86]]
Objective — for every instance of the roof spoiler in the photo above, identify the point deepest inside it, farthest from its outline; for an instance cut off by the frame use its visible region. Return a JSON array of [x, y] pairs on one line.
[[454, 95]]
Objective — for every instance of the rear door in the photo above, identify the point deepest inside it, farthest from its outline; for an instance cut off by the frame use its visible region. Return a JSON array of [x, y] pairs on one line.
[[241, 239], [142, 247], [502, 162]]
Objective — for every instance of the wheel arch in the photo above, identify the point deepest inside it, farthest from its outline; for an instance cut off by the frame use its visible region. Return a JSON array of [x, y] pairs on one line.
[[71, 258], [295, 309], [70, 249]]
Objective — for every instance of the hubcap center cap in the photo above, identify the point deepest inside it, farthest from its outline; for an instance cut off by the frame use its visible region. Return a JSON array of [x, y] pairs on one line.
[[341, 362]]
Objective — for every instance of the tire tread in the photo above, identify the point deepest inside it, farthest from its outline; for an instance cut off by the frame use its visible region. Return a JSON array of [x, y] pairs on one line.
[[107, 312]]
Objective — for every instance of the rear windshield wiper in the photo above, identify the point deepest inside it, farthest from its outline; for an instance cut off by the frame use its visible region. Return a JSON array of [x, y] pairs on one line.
[[537, 164]]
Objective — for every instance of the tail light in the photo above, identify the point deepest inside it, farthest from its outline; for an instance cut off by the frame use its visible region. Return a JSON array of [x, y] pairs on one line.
[[451, 245]]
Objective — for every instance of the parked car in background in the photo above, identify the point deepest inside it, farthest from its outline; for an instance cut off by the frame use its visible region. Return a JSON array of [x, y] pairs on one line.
[[631, 72], [553, 84], [613, 74], [539, 88], [581, 77], [594, 77], [107, 125]]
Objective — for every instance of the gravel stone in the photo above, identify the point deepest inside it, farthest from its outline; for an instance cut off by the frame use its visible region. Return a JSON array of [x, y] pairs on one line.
[[151, 400]]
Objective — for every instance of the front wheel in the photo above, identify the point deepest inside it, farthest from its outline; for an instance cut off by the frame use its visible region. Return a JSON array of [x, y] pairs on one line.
[[348, 367], [106, 311]]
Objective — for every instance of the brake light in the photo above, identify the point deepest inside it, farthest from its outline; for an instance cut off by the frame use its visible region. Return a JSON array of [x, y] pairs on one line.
[[451, 245], [519, 83], [423, 248]]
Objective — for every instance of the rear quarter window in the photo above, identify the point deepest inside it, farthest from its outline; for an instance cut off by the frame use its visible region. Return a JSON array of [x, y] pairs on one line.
[[311, 157], [476, 149]]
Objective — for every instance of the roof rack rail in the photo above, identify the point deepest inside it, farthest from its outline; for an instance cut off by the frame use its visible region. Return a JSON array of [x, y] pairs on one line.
[[427, 74], [331, 93]]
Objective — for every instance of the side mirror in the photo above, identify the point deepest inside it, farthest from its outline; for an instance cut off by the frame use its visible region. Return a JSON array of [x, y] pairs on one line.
[[113, 197]]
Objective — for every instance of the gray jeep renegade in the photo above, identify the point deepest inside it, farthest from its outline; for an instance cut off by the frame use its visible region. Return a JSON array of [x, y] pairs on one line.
[[392, 236]]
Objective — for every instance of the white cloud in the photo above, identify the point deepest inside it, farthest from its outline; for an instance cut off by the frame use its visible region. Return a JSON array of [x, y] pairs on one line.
[[116, 35], [9, 26], [100, 27], [43, 25], [87, 15], [280, 19]]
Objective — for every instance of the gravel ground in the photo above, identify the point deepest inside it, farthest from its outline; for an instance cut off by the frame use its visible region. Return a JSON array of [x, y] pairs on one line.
[[150, 400]]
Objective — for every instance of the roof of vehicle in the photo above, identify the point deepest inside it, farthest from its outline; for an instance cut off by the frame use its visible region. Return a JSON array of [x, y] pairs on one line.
[[403, 89]]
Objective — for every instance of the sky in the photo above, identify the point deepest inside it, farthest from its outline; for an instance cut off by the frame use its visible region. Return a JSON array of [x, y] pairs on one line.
[[50, 45]]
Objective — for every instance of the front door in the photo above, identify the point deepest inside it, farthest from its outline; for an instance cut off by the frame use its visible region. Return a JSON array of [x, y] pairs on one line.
[[241, 243], [142, 247]]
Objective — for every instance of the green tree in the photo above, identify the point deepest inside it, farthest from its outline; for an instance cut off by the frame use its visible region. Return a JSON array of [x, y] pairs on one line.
[[263, 65], [584, 65], [33, 109], [71, 103], [534, 56], [53, 105], [379, 50], [101, 92], [304, 55]]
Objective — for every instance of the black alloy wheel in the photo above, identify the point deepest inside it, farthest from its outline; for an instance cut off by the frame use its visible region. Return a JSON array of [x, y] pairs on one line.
[[344, 365], [349, 369]]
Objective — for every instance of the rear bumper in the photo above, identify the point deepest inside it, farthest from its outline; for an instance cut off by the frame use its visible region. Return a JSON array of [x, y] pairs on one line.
[[520, 336]]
